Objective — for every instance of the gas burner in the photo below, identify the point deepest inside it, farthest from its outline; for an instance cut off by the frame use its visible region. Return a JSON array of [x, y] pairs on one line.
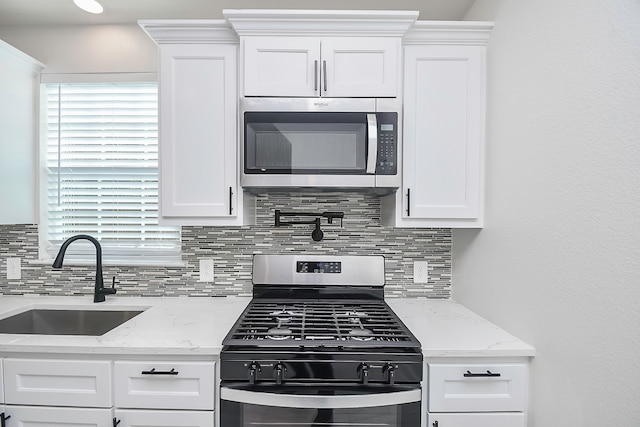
[[356, 314], [361, 334], [279, 334], [283, 316]]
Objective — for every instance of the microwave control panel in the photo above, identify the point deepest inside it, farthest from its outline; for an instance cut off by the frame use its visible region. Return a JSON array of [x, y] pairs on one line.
[[387, 163]]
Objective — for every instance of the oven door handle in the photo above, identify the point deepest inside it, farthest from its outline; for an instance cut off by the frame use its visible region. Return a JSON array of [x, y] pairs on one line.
[[372, 143], [320, 402]]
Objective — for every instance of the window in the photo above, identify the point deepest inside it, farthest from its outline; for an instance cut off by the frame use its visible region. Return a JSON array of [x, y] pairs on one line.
[[100, 173]]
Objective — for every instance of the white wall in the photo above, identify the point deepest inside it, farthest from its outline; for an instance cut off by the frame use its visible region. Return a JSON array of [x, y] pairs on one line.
[[558, 261], [86, 49]]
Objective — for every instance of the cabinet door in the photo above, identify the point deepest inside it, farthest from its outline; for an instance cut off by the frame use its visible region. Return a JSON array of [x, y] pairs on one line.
[[198, 159], [18, 139], [477, 387], [142, 418], [58, 382], [507, 419], [281, 66], [360, 66], [443, 133], [42, 416]]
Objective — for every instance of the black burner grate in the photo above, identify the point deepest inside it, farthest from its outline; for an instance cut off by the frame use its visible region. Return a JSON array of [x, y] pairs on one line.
[[319, 323]]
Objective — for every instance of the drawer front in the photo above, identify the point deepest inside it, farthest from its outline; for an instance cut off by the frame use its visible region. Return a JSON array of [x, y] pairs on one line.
[[58, 382], [164, 385], [477, 387], [137, 418], [515, 419], [22, 416]]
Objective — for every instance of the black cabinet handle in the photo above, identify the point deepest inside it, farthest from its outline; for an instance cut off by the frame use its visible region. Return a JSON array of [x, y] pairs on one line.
[[408, 202], [154, 372], [230, 200], [435, 424], [116, 422], [3, 419], [482, 374]]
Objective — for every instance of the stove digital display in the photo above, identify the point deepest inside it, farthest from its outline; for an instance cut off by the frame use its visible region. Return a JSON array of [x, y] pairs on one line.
[[318, 267]]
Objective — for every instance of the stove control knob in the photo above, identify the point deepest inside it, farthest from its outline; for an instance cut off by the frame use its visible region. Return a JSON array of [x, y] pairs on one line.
[[254, 368], [363, 373], [390, 372], [279, 370]]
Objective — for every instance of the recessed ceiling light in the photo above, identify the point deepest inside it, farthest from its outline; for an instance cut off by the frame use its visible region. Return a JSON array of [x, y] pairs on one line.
[[91, 6]]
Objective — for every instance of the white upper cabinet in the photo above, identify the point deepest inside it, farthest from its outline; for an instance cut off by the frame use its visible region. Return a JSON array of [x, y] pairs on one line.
[[19, 80], [198, 130], [443, 128], [330, 67], [298, 53], [199, 165]]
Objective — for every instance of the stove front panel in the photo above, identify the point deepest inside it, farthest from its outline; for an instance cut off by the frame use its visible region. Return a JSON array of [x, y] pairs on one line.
[[298, 367]]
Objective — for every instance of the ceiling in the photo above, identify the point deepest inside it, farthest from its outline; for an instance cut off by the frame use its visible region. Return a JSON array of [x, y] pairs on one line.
[[64, 12]]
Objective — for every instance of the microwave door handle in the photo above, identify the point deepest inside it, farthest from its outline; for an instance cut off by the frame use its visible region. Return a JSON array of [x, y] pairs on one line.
[[372, 147]]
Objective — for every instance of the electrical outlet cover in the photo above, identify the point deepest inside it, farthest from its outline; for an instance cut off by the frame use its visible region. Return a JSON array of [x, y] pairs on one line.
[[420, 272], [206, 270], [14, 269]]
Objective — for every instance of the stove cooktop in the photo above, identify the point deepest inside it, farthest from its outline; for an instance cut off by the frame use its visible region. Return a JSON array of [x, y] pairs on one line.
[[319, 323]]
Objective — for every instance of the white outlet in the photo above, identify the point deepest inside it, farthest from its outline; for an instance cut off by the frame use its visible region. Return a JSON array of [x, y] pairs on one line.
[[420, 271], [14, 269], [206, 270]]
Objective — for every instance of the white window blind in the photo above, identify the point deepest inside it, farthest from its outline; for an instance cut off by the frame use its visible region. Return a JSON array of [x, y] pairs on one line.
[[102, 173]]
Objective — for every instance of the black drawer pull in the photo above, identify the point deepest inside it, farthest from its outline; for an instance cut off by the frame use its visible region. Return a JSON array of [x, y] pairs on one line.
[[154, 372], [482, 374]]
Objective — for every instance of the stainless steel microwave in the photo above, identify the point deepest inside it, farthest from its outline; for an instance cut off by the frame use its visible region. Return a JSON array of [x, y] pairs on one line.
[[321, 143]]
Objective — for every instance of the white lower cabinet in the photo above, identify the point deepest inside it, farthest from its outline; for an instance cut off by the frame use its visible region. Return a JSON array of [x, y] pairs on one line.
[[164, 393], [47, 382], [42, 416], [164, 385], [57, 392], [149, 418], [477, 394]]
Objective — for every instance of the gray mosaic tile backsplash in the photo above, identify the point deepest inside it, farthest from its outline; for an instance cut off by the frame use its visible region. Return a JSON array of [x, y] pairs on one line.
[[232, 248]]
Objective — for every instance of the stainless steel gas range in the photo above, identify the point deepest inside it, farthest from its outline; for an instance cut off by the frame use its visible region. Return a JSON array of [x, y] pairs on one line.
[[318, 346]]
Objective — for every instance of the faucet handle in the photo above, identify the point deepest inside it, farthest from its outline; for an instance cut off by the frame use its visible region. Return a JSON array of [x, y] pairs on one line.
[[113, 289]]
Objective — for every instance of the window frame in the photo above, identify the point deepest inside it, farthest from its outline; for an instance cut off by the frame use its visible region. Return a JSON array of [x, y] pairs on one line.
[[82, 252]]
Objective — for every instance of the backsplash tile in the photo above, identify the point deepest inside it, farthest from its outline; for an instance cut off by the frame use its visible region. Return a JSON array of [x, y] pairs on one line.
[[232, 249]]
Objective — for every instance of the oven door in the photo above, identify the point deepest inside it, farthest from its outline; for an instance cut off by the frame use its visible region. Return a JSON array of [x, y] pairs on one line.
[[315, 406]]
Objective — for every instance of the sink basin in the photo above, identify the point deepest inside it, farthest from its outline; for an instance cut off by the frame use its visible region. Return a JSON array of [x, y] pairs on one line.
[[65, 322]]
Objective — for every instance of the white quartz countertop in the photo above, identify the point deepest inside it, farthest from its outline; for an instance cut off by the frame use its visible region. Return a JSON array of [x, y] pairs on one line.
[[446, 328], [196, 326], [171, 326]]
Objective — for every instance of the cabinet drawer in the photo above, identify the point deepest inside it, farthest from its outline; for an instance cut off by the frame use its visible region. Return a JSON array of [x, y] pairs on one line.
[[22, 416], [477, 387], [164, 385], [57, 382], [515, 419], [136, 418]]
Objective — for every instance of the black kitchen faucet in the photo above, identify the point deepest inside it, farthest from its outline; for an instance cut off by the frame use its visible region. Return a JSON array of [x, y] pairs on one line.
[[99, 291]]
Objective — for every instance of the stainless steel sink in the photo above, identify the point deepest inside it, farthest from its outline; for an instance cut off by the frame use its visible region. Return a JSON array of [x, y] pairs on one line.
[[65, 322]]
